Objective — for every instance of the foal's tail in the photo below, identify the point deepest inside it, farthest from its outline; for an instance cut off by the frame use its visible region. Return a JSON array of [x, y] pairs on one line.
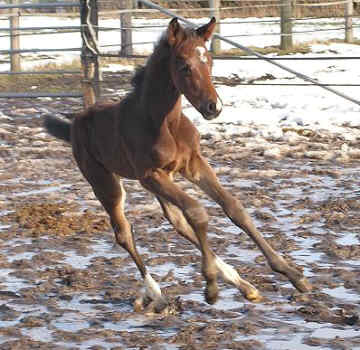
[[58, 128]]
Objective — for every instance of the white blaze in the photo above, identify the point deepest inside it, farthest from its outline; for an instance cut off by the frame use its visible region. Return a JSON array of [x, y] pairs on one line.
[[202, 51]]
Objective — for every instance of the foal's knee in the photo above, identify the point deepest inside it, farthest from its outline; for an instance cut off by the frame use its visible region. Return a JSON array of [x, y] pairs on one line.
[[197, 217], [122, 235]]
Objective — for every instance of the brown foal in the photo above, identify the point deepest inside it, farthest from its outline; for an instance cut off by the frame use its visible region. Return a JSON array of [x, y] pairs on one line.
[[147, 137]]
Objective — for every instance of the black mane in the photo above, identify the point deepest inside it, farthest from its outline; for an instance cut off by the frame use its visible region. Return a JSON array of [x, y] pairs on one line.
[[161, 51], [138, 78]]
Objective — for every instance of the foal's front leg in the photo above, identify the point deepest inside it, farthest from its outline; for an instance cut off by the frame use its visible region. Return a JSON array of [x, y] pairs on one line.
[[159, 183], [228, 273], [202, 175]]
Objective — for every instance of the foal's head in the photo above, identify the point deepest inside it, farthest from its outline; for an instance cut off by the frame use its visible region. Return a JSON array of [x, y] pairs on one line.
[[191, 65]]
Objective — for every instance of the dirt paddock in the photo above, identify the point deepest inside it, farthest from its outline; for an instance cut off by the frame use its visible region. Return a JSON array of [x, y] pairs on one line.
[[64, 284]]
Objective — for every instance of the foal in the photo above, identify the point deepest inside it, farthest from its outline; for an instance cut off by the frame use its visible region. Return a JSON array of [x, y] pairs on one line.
[[147, 137]]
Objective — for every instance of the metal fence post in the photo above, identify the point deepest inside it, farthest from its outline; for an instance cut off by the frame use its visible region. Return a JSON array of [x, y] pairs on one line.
[[15, 63], [125, 28], [89, 51], [286, 42], [215, 12], [349, 7]]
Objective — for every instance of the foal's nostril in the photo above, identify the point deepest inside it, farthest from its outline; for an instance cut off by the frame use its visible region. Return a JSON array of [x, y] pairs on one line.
[[212, 108]]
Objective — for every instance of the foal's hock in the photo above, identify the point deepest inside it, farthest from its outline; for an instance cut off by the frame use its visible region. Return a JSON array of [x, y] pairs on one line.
[[147, 137]]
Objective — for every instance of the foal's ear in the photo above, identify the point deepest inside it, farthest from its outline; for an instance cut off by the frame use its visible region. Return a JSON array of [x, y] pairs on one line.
[[206, 31], [175, 32]]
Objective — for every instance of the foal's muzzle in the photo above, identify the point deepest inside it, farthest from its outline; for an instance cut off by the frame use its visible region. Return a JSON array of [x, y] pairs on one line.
[[210, 109]]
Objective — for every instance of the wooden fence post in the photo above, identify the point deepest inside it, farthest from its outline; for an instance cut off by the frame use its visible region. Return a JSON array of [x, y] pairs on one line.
[[286, 42], [89, 51], [349, 7], [215, 12], [15, 64], [125, 28]]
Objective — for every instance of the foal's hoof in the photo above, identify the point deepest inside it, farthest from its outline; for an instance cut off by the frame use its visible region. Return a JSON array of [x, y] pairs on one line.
[[140, 303], [149, 306], [254, 296], [159, 306], [303, 285], [211, 293]]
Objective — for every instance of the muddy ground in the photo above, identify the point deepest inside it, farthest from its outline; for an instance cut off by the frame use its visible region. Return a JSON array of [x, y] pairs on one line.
[[64, 284]]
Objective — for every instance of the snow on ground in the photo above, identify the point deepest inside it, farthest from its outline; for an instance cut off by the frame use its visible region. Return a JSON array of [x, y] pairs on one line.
[[270, 108], [292, 106]]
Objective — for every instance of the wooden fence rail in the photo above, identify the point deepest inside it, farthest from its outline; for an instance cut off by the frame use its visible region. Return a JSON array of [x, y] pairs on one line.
[[14, 30]]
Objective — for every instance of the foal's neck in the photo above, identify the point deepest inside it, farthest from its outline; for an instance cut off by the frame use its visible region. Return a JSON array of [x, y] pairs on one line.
[[160, 98]]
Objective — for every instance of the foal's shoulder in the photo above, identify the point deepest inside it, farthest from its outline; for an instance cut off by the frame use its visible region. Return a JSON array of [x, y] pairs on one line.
[[187, 124], [188, 131]]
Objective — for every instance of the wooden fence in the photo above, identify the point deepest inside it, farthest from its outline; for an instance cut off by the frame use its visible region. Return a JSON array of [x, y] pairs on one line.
[[89, 28], [12, 11], [287, 9]]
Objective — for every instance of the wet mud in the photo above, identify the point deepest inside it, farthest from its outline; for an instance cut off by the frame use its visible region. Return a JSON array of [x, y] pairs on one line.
[[65, 284]]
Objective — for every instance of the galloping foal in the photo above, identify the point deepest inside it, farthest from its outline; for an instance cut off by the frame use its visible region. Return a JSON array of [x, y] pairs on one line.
[[147, 137]]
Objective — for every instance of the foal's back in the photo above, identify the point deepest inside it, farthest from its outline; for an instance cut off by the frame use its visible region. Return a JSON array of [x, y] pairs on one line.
[[120, 137], [102, 132]]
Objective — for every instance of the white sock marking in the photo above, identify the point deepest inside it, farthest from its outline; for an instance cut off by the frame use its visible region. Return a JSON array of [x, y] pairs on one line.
[[228, 273], [152, 289]]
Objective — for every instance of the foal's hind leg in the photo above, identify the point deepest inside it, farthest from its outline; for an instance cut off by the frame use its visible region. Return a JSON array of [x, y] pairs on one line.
[[124, 237], [110, 192], [201, 174], [228, 273]]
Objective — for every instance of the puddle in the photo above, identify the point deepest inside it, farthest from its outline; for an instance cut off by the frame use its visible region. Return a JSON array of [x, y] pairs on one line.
[[308, 255], [353, 263], [42, 191], [21, 256], [295, 342], [242, 255], [331, 333], [342, 293], [11, 283], [71, 322], [34, 310], [94, 343], [348, 239], [227, 299], [100, 248], [5, 212], [140, 324], [42, 334], [4, 227], [77, 304], [182, 273], [274, 340]]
